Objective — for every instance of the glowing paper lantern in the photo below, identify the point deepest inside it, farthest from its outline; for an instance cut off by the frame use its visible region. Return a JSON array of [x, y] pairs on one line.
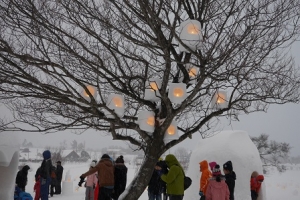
[[190, 34], [220, 100], [91, 89], [146, 121], [152, 90], [171, 133], [193, 72], [115, 102], [177, 92]]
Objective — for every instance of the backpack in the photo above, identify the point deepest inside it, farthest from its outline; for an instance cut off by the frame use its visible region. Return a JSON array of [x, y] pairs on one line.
[[23, 196], [187, 182]]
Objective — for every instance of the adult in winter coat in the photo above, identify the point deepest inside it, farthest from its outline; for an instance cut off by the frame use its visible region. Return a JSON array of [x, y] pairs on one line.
[[205, 176], [230, 177], [59, 173], [174, 178], [217, 188], [53, 180], [106, 179], [156, 186], [255, 184], [120, 177], [45, 175], [21, 178]]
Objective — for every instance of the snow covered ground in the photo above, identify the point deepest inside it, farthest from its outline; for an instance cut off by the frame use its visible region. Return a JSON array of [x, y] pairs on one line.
[[278, 186]]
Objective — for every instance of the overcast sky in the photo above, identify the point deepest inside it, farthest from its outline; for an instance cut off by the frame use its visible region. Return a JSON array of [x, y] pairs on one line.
[[281, 122]]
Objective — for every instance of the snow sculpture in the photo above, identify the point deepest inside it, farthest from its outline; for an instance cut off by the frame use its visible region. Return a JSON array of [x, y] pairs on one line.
[[227, 145], [9, 160], [67, 185]]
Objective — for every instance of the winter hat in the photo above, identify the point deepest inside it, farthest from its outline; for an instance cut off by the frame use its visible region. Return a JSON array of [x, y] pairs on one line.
[[212, 165], [25, 168], [260, 178], [216, 171], [93, 164], [46, 154], [120, 159], [105, 156], [58, 162], [228, 166]]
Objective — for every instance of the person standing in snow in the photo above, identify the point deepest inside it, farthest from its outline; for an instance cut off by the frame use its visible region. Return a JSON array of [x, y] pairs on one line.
[[45, 175], [21, 178], [106, 181], [156, 186], [255, 184], [230, 177], [120, 177], [174, 178], [53, 180], [90, 184], [217, 188], [205, 176], [59, 174]]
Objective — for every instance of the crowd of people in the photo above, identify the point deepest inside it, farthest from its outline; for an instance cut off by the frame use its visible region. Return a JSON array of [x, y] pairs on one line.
[[106, 180]]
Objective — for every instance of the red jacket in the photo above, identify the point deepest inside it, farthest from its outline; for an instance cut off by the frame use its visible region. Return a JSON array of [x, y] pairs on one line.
[[255, 183]]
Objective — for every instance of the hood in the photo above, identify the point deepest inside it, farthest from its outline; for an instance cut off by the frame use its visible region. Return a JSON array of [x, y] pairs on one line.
[[204, 165], [231, 175], [107, 162], [46, 155], [25, 168], [260, 178], [171, 160]]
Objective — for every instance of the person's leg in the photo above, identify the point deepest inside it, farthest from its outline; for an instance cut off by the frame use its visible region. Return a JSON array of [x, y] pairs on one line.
[[104, 193], [151, 196], [44, 189], [158, 197]]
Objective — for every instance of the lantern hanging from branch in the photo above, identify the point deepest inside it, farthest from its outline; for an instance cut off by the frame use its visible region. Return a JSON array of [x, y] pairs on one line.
[[171, 133], [177, 92], [146, 121], [219, 100], [115, 102], [190, 34], [85, 94], [152, 89]]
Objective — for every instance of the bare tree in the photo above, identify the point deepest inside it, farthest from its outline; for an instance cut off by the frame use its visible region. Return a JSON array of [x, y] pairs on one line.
[[271, 152], [49, 50], [183, 157]]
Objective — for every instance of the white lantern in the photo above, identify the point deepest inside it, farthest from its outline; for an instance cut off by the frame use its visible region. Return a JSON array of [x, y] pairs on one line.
[[219, 100], [91, 89], [152, 90], [115, 102], [171, 133], [177, 92], [192, 71], [146, 121], [190, 34]]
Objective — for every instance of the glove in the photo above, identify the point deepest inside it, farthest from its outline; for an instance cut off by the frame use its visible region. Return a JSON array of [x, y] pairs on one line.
[[201, 193], [81, 181]]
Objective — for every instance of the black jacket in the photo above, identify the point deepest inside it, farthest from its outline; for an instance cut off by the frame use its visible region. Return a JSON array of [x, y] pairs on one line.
[[21, 179], [59, 172], [120, 180], [230, 180]]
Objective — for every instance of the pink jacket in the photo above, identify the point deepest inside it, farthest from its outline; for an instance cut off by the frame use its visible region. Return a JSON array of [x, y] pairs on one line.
[[91, 180], [217, 190]]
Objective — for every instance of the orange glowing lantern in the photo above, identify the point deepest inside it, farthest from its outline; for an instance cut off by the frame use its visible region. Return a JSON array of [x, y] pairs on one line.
[[177, 92], [171, 133], [152, 90], [219, 100], [146, 121], [115, 102], [85, 94], [190, 35]]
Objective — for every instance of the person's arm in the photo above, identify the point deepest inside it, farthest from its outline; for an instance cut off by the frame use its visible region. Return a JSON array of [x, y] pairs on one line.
[[204, 180], [91, 171], [171, 176]]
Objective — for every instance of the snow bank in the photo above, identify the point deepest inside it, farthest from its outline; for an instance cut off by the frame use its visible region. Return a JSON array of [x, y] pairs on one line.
[[9, 160], [227, 145]]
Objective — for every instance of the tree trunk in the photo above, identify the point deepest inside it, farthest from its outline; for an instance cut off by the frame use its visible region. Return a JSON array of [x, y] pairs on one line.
[[141, 180]]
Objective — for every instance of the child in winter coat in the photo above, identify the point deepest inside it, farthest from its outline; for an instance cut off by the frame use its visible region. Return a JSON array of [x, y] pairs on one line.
[[230, 177], [90, 184], [255, 184], [37, 188], [120, 178], [217, 188], [205, 176]]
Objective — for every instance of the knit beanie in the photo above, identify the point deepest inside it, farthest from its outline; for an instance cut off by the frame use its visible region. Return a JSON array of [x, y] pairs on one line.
[[212, 165], [46, 154], [216, 171], [228, 166], [120, 159]]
